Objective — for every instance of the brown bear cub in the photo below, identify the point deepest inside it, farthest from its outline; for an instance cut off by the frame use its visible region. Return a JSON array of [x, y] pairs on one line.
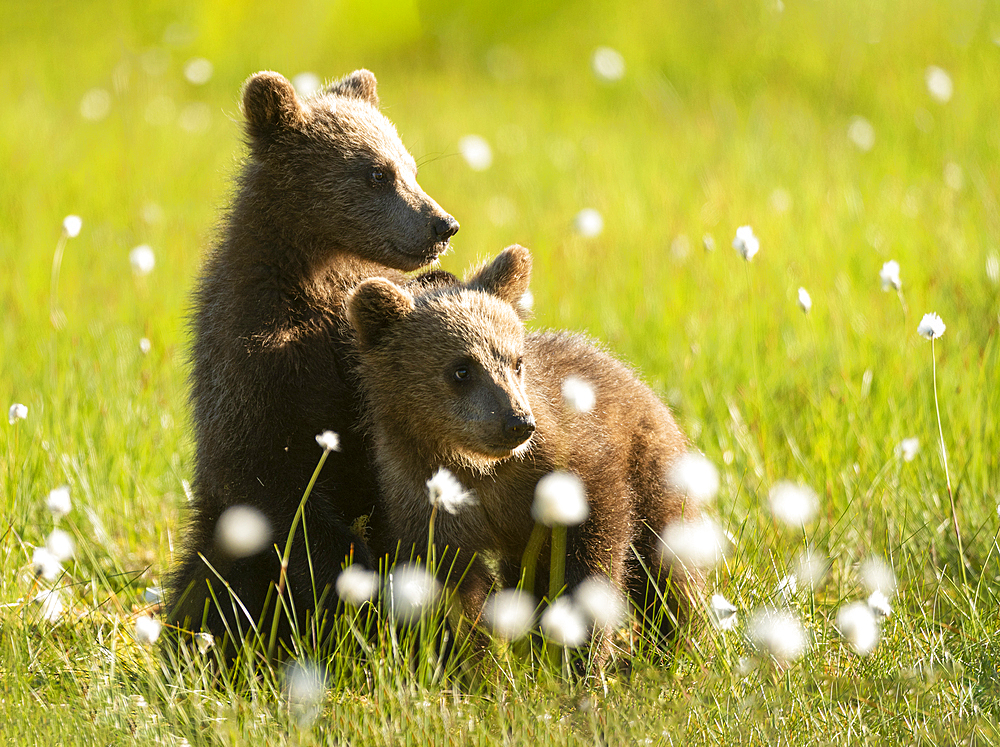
[[452, 380], [327, 197]]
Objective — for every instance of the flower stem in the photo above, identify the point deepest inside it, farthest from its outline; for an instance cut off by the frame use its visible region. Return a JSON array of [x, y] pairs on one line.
[[557, 568], [55, 313], [944, 456], [530, 558], [756, 372]]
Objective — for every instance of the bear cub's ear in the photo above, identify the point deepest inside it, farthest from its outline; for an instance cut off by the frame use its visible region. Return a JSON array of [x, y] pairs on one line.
[[270, 104], [358, 85], [506, 277], [375, 305]]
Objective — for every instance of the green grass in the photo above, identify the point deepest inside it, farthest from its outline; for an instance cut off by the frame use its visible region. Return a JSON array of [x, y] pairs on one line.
[[727, 110]]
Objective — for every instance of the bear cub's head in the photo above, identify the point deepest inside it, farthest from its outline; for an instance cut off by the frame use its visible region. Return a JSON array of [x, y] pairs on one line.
[[340, 172], [444, 370]]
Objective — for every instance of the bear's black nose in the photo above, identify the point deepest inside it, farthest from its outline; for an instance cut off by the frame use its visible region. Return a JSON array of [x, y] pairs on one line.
[[519, 427], [445, 227]]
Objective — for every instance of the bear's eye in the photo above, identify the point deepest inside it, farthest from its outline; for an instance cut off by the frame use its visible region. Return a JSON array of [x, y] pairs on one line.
[[519, 366], [461, 373], [378, 176]]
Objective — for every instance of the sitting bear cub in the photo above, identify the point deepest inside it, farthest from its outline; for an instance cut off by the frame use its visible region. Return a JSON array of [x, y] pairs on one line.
[[451, 380]]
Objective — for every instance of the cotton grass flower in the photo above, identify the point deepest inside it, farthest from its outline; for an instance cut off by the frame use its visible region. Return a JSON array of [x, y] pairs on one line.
[[329, 441], [45, 564], [203, 642], [939, 84], [778, 633], [447, 493], [147, 630], [356, 585], [198, 71], [510, 613], [993, 269], [695, 543], [878, 575], [578, 395], [50, 605], [746, 243], [560, 499], [879, 604], [695, 476], [588, 223], [476, 152], [145, 345], [17, 412], [305, 689], [723, 612], [908, 448], [142, 259], [788, 587], [608, 64], [889, 276], [795, 505], [601, 601], [811, 567], [411, 590], [306, 83], [805, 300], [72, 225], [931, 326], [58, 502], [60, 544], [564, 624], [242, 531], [861, 133], [859, 627]]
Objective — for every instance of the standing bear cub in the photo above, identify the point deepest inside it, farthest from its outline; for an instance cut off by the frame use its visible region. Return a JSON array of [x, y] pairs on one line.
[[451, 380], [327, 197]]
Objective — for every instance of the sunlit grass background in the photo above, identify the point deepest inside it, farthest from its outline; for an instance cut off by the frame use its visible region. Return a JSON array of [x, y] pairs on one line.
[[728, 114]]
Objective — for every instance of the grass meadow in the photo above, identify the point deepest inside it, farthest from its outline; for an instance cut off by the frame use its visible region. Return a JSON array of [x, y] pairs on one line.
[[847, 134]]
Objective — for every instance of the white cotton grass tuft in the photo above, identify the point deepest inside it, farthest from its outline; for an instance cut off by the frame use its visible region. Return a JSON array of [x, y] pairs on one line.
[[694, 475], [805, 300], [939, 84], [858, 625], [142, 259], [879, 604], [908, 448], [993, 269], [203, 642], [931, 326], [328, 441], [72, 224], [60, 544], [861, 133], [778, 633], [588, 223], [708, 241], [16, 412], [242, 531], [356, 585], [724, 613], [198, 71], [889, 276], [560, 498], [878, 575], [601, 601], [411, 590], [526, 302], [45, 564], [50, 605], [607, 64], [306, 83], [788, 587], [793, 504], [476, 151], [510, 613], [145, 345], [147, 630], [811, 567], [746, 243], [305, 690], [578, 394], [446, 492], [95, 104], [58, 502], [564, 623], [694, 543]]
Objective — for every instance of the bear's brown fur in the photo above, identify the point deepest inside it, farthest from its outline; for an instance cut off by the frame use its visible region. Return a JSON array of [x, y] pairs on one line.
[[327, 197], [452, 380]]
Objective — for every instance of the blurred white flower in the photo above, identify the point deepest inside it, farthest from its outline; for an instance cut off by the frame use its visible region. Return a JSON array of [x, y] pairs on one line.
[[607, 64], [445, 491], [198, 70], [811, 567], [601, 602], [939, 84], [242, 531], [17, 412], [954, 178], [879, 604], [778, 633], [788, 587], [578, 395], [588, 223], [510, 612], [142, 259], [306, 84], [708, 241], [45, 564], [889, 275], [305, 689], [857, 624], [147, 630], [805, 300], [908, 448], [329, 441], [411, 590], [694, 475], [60, 544], [145, 345], [563, 623], [527, 301], [476, 152], [993, 269], [724, 615], [861, 133], [51, 605], [793, 504], [204, 641], [95, 104], [878, 575], [560, 498], [746, 243], [58, 502], [72, 225], [931, 326], [697, 543], [356, 585]]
